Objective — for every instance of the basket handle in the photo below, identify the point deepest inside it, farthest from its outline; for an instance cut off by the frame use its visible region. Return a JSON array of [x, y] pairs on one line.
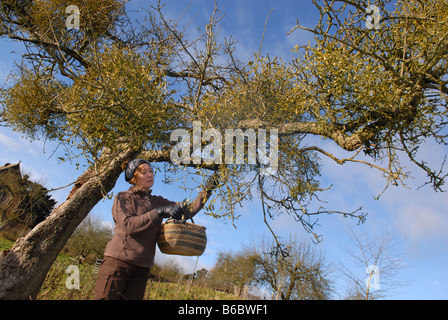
[[183, 204], [184, 220]]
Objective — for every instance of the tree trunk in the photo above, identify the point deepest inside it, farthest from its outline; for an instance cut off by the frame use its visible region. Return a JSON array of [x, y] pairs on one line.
[[292, 283], [25, 267]]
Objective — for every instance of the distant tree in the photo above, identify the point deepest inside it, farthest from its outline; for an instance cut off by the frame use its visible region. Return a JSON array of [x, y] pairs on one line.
[[91, 237], [201, 274], [233, 270], [170, 270], [291, 270], [373, 267]]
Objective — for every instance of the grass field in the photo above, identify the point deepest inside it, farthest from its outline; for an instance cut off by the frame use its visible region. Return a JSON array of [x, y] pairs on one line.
[[55, 288], [5, 244]]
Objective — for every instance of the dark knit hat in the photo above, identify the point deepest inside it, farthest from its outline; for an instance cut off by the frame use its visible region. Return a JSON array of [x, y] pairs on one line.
[[131, 166]]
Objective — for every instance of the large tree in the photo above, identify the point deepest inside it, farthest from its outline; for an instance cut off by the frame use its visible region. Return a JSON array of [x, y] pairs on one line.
[[113, 89]]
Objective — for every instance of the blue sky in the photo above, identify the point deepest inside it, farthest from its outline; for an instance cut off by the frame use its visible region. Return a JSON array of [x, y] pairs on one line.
[[418, 217]]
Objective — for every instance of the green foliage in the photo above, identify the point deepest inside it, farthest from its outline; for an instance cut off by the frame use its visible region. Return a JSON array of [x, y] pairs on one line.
[[49, 17], [378, 94], [120, 98], [23, 202], [385, 88], [233, 269], [45, 21], [5, 244]]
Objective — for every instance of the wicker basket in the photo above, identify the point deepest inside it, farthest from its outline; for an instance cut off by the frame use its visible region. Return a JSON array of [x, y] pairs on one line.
[[182, 238]]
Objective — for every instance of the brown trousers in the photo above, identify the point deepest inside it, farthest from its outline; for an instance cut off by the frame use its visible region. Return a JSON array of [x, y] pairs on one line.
[[118, 280]]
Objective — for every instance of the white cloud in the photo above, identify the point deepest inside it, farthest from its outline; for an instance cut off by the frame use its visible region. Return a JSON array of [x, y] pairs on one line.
[[13, 144], [19, 146], [422, 219]]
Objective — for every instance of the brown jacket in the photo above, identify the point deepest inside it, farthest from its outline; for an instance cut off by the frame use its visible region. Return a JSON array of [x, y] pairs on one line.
[[137, 225]]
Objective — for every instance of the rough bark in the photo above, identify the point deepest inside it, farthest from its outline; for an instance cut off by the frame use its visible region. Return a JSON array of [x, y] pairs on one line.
[[24, 268], [349, 142]]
